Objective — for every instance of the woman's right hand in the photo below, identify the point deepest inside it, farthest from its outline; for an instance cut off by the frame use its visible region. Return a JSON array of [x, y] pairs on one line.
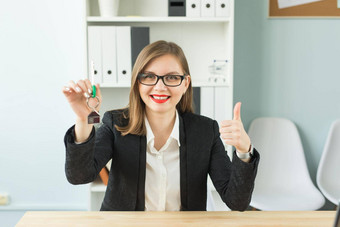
[[77, 93]]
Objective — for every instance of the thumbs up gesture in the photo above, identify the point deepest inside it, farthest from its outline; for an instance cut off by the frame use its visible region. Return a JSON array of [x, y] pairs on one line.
[[233, 133]]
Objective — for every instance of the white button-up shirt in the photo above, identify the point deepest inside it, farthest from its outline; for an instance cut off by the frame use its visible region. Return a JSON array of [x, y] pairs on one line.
[[162, 181]]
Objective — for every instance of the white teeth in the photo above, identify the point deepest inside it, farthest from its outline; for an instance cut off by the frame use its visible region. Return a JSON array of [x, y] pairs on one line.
[[160, 97]]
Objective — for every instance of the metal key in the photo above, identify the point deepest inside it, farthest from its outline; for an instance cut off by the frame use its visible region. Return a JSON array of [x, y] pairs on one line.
[[94, 116]]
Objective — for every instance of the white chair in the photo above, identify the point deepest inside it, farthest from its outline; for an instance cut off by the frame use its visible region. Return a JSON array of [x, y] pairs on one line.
[[328, 172], [283, 181]]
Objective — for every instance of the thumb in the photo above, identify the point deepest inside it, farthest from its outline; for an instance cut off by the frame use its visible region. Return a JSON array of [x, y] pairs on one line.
[[237, 111]]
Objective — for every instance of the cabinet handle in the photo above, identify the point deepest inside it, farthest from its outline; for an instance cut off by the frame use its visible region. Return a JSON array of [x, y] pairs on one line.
[[193, 6], [222, 5], [207, 5], [95, 72], [124, 72], [109, 72]]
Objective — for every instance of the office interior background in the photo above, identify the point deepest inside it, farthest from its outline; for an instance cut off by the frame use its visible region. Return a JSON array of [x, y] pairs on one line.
[[282, 68]]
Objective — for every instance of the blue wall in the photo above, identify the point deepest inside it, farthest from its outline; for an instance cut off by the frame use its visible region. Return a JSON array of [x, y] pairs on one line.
[[288, 68]]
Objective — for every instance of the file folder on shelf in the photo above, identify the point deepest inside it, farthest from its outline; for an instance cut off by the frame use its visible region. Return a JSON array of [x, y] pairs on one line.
[[222, 8], [130, 41], [176, 8], [193, 8], [222, 108], [197, 99], [207, 8], [109, 55], [207, 107], [114, 50], [95, 52], [124, 54]]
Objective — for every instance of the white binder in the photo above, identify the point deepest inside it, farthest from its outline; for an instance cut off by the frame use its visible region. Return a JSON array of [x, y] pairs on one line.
[[207, 102], [222, 106], [193, 8], [109, 55], [207, 8], [223, 8], [123, 41], [94, 52]]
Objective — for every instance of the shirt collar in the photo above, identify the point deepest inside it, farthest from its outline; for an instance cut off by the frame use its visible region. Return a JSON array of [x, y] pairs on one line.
[[174, 133]]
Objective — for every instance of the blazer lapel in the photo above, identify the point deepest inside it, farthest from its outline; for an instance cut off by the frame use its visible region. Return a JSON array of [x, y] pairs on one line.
[[140, 206], [183, 165]]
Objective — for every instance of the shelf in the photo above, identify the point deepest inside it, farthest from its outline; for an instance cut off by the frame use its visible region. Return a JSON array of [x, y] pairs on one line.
[[209, 84], [158, 19], [108, 85]]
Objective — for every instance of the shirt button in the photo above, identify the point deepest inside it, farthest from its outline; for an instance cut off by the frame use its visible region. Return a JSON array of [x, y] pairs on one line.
[[159, 156]]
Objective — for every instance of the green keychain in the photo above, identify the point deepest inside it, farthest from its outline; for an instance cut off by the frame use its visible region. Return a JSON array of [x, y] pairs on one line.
[[93, 91]]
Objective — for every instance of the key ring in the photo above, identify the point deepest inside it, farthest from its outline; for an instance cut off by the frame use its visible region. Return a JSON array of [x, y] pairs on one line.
[[92, 107]]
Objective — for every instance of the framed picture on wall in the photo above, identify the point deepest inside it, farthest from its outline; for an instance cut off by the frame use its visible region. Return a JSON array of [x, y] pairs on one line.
[[304, 8]]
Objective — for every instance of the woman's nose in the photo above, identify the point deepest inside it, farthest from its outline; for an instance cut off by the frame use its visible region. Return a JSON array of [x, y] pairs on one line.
[[160, 85]]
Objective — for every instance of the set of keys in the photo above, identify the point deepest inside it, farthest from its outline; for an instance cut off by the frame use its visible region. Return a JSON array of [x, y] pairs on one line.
[[94, 116]]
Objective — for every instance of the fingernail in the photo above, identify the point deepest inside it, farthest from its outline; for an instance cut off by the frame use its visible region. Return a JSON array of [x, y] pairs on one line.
[[86, 95], [67, 89], [89, 90], [78, 89]]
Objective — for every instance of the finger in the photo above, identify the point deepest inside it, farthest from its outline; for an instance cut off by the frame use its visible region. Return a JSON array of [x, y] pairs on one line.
[[99, 94], [237, 111], [226, 123], [227, 136], [66, 89], [88, 85], [229, 142], [83, 87], [74, 87], [227, 129]]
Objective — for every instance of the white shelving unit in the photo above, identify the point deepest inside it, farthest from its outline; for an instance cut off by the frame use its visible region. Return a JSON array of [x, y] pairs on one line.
[[203, 40], [157, 19]]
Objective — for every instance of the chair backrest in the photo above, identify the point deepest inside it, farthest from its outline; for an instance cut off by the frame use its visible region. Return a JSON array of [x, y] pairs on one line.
[[283, 166], [328, 174]]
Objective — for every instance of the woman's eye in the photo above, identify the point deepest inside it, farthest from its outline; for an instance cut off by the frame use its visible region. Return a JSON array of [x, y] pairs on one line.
[[172, 77], [149, 76]]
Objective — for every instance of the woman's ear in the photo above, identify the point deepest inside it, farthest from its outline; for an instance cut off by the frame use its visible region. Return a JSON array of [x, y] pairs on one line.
[[187, 81]]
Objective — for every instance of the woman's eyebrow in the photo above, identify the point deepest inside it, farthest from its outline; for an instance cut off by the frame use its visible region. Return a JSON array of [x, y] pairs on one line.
[[169, 73]]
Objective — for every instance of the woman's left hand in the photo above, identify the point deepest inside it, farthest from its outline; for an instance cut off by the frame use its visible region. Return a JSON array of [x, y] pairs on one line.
[[233, 133]]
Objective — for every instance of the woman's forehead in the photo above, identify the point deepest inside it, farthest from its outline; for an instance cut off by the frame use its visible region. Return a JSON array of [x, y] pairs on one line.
[[164, 64]]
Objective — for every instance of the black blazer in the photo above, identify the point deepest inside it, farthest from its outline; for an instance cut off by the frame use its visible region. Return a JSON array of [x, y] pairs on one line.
[[201, 153]]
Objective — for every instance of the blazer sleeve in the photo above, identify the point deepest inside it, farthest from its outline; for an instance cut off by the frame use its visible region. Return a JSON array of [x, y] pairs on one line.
[[233, 181], [84, 161]]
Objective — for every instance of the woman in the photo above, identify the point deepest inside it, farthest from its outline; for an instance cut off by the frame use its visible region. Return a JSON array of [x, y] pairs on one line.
[[161, 152]]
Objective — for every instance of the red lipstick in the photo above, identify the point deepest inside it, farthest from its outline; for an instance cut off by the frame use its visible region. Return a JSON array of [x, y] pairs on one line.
[[159, 98]]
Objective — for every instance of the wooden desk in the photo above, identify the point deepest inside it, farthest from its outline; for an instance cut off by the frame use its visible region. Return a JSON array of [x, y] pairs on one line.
[[216, 218]]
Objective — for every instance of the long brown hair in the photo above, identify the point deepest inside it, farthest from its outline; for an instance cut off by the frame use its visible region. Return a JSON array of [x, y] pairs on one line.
[[136, 107]]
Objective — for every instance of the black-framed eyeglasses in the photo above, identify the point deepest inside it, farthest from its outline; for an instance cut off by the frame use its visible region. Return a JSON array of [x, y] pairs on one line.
[[151, 79]]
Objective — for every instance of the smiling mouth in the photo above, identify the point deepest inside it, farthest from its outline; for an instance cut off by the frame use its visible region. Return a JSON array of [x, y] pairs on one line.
[[160, 98]]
